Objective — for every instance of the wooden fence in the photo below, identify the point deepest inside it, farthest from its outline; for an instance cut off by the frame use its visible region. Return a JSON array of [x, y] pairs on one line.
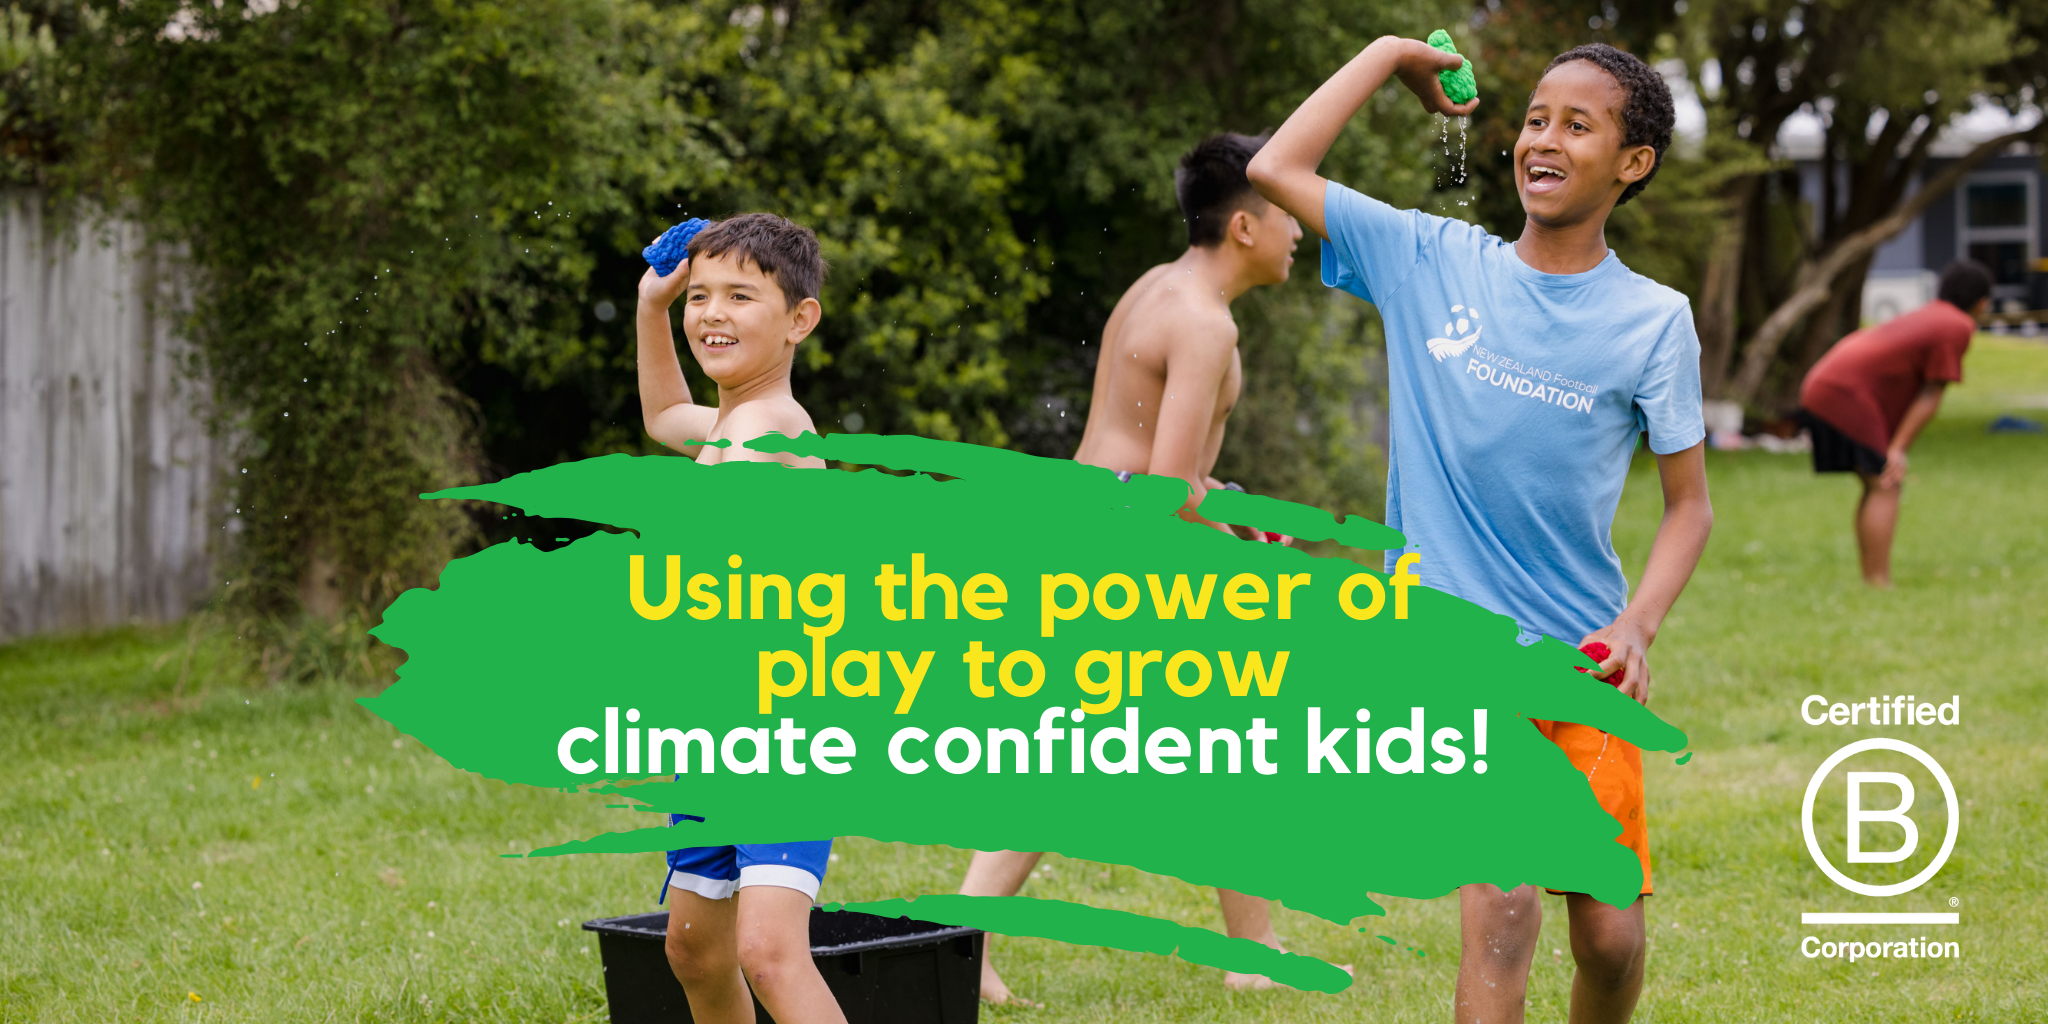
[[108, 472]]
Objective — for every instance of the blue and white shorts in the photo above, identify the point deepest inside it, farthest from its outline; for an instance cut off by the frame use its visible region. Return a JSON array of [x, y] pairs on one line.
[[716, 872]]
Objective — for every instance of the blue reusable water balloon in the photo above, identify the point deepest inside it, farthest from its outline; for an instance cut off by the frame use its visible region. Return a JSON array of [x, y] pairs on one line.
[[673, 247]]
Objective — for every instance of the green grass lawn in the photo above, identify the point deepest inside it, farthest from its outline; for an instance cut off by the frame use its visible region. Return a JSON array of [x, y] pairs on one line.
[[229, 852]]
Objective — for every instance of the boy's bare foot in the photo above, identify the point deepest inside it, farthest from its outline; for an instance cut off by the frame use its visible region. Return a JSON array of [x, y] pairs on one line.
[[995, 993], [1248, 982]]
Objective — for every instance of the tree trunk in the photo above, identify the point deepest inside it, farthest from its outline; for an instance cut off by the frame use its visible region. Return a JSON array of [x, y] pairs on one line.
[[1815, 280], [321, 595], [1723, 285], [1842, 314], [1835, 318]]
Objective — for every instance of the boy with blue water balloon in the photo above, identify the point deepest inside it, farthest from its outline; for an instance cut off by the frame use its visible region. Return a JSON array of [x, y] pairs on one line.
[[749, 287], [739, 925]]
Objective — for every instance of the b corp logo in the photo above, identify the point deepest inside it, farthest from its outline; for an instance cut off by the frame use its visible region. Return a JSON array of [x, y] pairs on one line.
[[1896, 815]]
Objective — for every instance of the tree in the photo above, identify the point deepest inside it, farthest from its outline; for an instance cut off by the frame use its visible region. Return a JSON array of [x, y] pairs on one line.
[[1074, 116], [370, 196], [28, 41], [412, 229], [1725, 221], [1884, 76], [1821, 279]]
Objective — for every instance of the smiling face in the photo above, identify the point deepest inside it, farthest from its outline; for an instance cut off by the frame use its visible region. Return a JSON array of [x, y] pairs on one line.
[[1570, 161], [741, 327]]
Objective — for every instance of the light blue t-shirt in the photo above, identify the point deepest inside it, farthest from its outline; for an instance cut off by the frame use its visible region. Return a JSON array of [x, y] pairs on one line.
[[1515, 400]]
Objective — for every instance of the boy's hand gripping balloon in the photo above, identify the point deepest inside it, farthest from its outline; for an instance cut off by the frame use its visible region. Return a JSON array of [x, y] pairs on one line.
[[1601, 652], [1459, 85], [673, 247]]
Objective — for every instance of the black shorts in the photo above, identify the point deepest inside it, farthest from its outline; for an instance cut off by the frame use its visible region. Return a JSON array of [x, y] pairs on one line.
[[1836, 452]]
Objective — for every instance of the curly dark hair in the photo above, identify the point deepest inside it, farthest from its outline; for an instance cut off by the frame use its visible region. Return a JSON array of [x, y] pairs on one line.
[[1646, 110], [1964, 283]]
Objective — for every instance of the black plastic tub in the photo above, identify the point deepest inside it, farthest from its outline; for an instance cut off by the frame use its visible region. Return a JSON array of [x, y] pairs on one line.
[[882, 970]]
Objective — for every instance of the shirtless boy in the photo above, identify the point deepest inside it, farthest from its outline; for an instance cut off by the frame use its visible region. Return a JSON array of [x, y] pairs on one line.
[[1165, 383], [752, 296], [741, 916]]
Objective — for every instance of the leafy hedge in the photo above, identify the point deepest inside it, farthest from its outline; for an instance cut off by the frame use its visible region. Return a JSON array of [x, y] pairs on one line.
[[413, 226]]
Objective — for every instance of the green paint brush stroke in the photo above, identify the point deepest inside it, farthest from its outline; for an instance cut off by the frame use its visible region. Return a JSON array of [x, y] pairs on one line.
[[1114, 929], [516, 646], [1305, 522], [1224, 506]]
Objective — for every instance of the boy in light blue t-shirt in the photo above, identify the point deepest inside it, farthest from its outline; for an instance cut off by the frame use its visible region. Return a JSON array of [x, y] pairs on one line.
[[1521, 374]]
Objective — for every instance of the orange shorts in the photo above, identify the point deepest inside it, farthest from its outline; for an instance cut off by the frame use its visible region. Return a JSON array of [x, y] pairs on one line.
[[1614, 766]]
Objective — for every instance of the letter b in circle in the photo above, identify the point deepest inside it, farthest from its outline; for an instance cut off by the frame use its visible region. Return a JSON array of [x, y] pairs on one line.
[[1858, 814]]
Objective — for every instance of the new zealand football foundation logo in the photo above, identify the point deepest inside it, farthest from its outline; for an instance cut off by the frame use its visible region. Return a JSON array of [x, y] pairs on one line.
[[1459, 334], [1493, 368]]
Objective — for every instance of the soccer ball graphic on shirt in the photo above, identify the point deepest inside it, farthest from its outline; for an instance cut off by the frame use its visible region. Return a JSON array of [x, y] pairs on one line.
[[1459, 335]]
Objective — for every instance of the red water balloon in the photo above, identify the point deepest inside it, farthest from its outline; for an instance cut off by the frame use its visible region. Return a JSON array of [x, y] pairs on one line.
[[1601, 652]]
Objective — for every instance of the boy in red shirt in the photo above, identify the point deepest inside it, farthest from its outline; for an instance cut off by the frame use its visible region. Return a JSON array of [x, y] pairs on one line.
[[1869, 397]]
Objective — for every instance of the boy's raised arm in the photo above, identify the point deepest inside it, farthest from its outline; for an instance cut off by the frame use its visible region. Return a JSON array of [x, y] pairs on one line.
[[1284, 171], [665, 406]]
